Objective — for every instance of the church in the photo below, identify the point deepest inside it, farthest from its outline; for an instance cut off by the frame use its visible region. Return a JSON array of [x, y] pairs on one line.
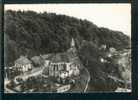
[[61, 64]]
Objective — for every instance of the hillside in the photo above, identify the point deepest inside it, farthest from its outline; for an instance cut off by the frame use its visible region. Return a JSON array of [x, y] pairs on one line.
[[30, 33]]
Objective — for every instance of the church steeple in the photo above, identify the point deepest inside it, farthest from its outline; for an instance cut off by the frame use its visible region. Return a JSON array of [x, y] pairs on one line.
[[72, 50], [72, 43]]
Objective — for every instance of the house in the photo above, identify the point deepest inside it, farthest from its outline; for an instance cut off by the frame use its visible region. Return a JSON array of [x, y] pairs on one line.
[[103, 47], [75, 70], [112, 50], [64, 74], [46, 63], [23, 64], [102, 60]]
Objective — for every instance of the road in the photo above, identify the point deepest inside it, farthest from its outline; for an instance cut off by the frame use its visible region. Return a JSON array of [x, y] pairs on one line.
[[84, 76], [82, 82], [118, 80], [88, 80], [34, 72]]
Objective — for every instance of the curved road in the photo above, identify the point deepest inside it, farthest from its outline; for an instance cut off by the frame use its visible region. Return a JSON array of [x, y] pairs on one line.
[[88, 80], [34, 72]]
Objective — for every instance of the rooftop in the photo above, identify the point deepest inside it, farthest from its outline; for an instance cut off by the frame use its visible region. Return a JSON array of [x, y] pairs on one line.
[[60, 57], [23, 60]]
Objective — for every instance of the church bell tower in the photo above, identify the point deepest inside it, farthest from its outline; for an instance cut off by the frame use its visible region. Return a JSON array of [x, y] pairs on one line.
[[72, 43]]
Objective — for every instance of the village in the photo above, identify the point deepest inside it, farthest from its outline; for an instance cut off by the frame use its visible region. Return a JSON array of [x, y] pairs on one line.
[[61, 72], [45, 73]]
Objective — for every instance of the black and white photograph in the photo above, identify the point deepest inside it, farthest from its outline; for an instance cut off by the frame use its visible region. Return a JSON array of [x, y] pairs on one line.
[[67, 48]]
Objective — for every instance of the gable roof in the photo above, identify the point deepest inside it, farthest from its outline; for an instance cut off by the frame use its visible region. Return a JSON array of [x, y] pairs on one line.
[[23, 60], [60, 57]]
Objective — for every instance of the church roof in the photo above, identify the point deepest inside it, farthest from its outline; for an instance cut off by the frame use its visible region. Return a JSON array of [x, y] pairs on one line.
[[60, 57], [23, 60], [72, 42]]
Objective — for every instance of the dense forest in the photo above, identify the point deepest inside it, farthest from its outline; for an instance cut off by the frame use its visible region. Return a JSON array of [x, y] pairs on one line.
[[30, 33]]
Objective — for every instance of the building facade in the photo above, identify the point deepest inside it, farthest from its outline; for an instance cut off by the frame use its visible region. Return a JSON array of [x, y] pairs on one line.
[[23, 64], [62, 69]]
